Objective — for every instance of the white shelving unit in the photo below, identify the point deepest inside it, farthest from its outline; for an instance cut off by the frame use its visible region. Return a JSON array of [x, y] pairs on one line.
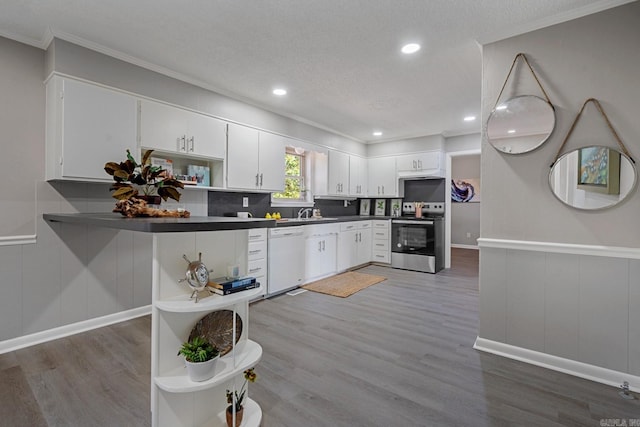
[[175, 399]]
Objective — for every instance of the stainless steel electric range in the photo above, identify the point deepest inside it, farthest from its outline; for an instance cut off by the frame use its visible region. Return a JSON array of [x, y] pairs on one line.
[[417, 237]]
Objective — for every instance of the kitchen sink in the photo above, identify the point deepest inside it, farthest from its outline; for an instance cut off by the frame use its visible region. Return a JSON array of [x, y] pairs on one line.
[[312, 219]]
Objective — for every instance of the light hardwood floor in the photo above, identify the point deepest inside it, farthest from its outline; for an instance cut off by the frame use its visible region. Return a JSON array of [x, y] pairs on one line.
[[398, 353]]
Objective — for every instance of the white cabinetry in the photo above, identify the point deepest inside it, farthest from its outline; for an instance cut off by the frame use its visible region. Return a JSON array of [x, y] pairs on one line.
[[87, 126], [175, 130], [320, 251], [354, 244], [357, 176], [420, 164], [257, 256], [255, 160], [338, 174], [381, 241], [383, 181], [175, 400]]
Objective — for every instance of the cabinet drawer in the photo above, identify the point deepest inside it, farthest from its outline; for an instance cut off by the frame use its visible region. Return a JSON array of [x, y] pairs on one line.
[[355, 225], [380, 256], [257, 268], [257, 250], [377, 224], [257, 234], [380, 234], [380, 245]]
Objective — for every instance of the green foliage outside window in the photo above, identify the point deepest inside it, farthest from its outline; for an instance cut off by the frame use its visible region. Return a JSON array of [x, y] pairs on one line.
[[294, 179]]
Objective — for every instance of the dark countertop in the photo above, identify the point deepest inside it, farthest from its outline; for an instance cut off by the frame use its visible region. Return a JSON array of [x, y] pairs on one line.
[[161, 225]]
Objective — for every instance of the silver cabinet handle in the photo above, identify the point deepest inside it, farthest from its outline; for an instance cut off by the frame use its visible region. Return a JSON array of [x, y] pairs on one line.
[[257, 180], [420, 164], [383, 189], [319, 246], [260, 180], [323, 246], [337, 188], [191, 146], [253, 270], [414, 164], [257, 251], [183, 143], [378, 189]]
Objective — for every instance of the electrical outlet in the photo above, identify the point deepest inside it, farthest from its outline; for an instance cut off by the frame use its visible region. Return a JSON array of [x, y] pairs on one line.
[[245, 202], [468, 235]]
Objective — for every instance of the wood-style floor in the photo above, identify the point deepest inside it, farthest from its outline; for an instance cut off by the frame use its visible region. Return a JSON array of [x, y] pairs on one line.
[[398, 353]]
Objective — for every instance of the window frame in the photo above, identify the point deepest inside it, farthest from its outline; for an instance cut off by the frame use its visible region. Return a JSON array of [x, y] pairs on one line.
[[306, 198]]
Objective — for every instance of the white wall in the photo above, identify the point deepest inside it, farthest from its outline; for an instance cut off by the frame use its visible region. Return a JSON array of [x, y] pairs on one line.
[[560, 287], [412, 145]]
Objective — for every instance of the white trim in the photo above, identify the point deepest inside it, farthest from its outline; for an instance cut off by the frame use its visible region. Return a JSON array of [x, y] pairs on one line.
[[72, 329], [560, 364], [17, 240], [455, 245], [565, 248]]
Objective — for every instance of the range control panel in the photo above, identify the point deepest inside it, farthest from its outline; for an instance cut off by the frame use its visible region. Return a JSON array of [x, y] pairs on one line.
[[430, 208]]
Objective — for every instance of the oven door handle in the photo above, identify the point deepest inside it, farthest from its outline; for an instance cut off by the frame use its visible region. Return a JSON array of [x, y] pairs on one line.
[[403, 221]]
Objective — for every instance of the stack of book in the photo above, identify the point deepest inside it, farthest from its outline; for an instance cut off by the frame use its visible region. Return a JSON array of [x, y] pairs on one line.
[[225, 286]]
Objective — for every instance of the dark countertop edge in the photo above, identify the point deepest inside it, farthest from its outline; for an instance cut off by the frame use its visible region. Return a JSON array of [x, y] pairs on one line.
[[160, 225], [349, 218]]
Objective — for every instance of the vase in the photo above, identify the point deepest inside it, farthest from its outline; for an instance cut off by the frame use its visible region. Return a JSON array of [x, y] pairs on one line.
[[230, 416], [202, 371], [151, 200]]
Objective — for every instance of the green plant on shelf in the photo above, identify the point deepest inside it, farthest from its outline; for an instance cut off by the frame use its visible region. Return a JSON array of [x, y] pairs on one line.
[[198, 350]]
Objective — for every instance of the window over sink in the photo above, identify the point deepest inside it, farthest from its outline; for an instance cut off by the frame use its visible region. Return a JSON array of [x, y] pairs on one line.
[[296, 178]]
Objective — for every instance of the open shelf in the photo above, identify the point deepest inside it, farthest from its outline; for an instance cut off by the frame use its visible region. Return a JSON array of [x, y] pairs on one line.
[[252, 415], [183, 304], [177, 380]]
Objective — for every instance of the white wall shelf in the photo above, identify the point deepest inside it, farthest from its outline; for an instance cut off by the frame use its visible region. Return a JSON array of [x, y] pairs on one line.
[[184, 304], [245, 357]]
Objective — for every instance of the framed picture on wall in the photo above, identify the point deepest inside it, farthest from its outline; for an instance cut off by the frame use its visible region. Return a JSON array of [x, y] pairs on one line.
[[599, 170], [465, 190], [365, 207], [380, 207]]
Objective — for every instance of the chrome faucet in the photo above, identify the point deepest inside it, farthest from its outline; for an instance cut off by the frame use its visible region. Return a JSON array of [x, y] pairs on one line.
[[305, 212]]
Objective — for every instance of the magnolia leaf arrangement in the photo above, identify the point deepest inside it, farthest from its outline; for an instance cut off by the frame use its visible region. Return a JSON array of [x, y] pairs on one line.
[[130, 175]]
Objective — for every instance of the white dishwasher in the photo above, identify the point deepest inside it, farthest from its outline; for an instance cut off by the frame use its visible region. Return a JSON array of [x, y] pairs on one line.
[[286, 259]]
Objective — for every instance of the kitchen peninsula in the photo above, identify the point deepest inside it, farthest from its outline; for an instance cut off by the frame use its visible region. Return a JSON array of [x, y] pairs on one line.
[[223, 242]]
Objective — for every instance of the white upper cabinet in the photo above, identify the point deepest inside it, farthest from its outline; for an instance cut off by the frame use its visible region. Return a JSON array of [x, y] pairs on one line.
[[255, 160], [357, 176], [175, 130], [420, 164], [87, 126], [338, 174], [383, 181]]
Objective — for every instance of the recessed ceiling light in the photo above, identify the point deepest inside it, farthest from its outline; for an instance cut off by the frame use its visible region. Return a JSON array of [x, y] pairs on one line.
[[410, 48], [511, 131], [469, 118], [377, 133], [501, 107], [279, 92]]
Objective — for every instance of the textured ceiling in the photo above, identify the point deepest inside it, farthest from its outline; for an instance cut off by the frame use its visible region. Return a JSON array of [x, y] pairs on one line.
[[339, 59]]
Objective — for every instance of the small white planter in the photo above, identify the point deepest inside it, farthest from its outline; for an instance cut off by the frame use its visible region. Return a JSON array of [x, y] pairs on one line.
[[202, 371]]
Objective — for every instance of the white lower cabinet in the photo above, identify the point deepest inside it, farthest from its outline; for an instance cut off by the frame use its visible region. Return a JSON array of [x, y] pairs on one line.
[[381, 241], [175, 399], [257, 257], [321, 244], [354, 244]]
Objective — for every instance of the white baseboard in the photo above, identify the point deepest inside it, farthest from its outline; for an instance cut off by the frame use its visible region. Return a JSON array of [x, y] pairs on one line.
[[72, 329], [560, 364], [455, 245]]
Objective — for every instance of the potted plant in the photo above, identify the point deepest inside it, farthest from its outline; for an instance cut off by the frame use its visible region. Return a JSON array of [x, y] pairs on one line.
[[200, 357], [129, 176], [235, 399]]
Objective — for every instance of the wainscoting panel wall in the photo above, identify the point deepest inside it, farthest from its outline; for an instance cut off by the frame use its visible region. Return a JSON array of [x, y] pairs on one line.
[[582, 307]]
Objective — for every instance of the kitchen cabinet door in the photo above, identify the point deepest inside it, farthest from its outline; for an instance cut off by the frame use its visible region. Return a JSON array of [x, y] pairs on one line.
[[347, 249], [206, 136], [338, 174], [383, 181], [163, 127], [90, 126], [364, 246], [271, 162], [357, 176], [242, 157], [320, 257]]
